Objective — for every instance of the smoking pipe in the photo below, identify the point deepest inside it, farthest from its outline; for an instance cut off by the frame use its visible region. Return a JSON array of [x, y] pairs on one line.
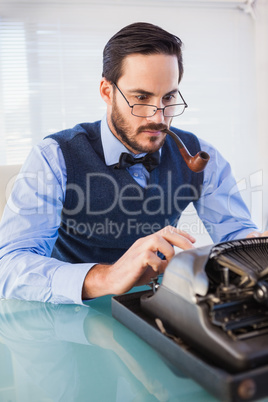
[[196, 163]]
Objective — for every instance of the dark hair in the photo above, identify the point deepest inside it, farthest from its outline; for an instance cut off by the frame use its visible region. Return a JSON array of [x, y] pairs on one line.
[[140, 37]]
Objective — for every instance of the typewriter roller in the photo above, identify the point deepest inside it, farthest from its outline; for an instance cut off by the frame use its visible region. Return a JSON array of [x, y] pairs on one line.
[[215, 298]]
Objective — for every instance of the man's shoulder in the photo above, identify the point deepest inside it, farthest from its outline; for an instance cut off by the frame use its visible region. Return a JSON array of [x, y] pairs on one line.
[[90, 130]]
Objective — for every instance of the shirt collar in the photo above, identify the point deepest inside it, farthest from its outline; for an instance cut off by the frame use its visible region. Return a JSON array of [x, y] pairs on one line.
[[112, 147]]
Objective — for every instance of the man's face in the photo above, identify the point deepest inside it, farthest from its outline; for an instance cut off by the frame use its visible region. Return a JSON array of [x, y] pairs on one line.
[[152, 80]]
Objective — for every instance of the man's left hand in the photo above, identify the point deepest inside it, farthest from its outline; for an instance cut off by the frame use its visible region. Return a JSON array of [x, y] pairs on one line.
[[257, 234]]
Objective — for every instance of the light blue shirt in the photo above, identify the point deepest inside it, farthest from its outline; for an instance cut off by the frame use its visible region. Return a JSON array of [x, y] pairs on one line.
[[29, 226]]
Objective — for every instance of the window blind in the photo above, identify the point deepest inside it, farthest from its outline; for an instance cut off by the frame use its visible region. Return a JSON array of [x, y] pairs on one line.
[[49, 81]]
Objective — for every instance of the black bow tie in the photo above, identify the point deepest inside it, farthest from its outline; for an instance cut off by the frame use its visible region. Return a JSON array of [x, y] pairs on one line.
[[149, 161]]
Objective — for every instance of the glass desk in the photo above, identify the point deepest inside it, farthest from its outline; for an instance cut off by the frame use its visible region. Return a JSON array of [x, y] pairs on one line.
[[73, 353]]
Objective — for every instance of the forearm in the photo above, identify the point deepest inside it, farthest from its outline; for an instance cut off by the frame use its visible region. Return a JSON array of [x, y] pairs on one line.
[[96, 282]]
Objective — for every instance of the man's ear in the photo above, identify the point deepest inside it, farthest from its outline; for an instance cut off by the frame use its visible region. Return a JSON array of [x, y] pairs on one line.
[[106, 91]]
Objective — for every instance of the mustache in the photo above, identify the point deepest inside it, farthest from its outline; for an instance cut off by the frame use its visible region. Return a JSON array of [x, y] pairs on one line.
[[152, 127]]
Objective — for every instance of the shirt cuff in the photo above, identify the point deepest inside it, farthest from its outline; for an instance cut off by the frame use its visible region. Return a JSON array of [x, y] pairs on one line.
[[67, 283]]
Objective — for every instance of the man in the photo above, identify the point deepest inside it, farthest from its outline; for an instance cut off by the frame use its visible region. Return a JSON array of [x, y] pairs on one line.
[[89, 223]]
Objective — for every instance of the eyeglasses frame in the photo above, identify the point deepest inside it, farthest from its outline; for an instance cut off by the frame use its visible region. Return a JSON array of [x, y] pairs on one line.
[[157, 108]]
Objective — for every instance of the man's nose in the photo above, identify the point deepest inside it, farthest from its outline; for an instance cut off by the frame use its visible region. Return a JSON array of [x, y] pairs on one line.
[[158, 117]]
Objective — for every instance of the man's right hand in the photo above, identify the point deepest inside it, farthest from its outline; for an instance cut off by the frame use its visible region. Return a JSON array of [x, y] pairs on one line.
[[138, 265]]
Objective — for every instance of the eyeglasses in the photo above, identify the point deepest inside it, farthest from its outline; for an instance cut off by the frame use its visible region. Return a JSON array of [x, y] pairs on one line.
[[143, 110]]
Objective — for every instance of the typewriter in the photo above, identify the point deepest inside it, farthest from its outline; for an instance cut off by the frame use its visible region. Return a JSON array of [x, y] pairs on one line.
[[209, 317], [215, 298]]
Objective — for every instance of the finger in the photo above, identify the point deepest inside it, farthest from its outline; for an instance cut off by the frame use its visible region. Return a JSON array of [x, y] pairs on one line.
[[156, 264], [162, 266], [257, 234], [164, 240], [253, 234], [147, 276], [174, 230], [178, 238], [183, 233], [157, 243], [163, 243]]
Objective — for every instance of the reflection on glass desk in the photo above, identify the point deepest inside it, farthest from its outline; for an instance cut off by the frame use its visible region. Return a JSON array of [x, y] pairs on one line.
[[74, 353]]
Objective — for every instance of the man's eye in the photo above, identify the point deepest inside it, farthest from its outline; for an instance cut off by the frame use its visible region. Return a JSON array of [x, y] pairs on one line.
[[141, 97], [169, 98]]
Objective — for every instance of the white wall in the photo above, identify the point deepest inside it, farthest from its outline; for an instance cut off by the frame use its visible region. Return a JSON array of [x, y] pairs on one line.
[[60, 49], [261, 57]]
